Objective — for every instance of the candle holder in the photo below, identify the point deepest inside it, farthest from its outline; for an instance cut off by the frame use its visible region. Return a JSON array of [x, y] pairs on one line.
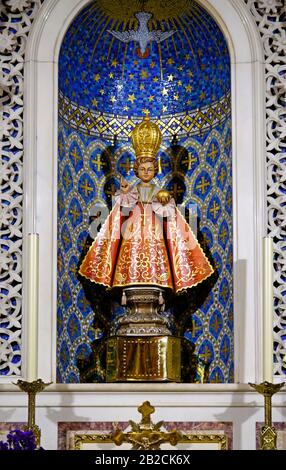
[[32, 388], [268, 434]]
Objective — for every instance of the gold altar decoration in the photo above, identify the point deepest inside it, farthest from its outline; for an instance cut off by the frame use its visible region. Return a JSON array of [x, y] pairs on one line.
[[32, 388], [143, 358], [268, 434], [146, 435], [92, 439]]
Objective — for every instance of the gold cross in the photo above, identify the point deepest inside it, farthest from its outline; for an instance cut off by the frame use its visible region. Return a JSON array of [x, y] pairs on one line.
[[146, 409], [224, 292], [85, 303], [215, 377], [195, 327], [75, 155], [126, 165], [222, 175], [111, 191], [216, 324], [86, 188], [207, 354], [161, 165], [67, 179], [215, 209], [74, 269], [60, 263], [189, 161], [66, 295], [213, 153], [61, 146], [176, 190], [228, 140], [225, 349], [223, 234], [66, 239], [97, 162], [75, 213], [203, 185]]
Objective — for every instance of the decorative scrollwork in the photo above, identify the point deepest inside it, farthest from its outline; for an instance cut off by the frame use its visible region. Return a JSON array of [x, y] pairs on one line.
[[270, 17], [16, 18]]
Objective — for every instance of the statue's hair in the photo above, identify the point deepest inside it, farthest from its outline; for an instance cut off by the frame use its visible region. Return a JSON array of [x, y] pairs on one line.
[[146, 160]]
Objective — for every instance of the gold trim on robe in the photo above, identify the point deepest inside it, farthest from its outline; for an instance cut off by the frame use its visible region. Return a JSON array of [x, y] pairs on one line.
[[146, 249]]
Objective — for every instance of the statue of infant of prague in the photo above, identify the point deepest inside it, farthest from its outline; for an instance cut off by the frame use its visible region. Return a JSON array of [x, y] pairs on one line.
[[146, 248]]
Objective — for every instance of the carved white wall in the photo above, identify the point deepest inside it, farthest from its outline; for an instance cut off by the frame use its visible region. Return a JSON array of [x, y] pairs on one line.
[[270, 17], [40, 163], [16, 18]]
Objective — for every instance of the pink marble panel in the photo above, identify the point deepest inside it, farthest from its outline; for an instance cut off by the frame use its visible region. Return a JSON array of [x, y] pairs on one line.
[[67, 430]]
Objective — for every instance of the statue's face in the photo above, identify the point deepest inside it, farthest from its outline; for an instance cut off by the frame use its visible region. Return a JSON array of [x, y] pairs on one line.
[[146, 172]]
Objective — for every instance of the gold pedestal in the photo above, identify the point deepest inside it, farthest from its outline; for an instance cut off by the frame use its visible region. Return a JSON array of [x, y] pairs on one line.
[[143, 359]]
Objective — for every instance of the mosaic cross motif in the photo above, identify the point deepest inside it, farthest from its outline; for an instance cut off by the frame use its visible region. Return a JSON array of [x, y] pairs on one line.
[[184, 86]]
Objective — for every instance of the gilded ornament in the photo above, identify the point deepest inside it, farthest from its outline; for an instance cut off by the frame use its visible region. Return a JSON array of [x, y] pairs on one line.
[[268, 434]]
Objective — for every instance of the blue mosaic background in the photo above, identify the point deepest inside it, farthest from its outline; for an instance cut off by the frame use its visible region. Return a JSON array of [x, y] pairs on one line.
[[101, 77]]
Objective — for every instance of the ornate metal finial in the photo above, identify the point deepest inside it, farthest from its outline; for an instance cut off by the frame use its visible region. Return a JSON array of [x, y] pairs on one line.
[[146, 139], [268, 434], [146, 410], [146, 435], [32, 388]]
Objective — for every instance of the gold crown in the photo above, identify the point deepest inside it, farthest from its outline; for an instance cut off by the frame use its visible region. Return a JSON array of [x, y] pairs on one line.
[[146, 139]]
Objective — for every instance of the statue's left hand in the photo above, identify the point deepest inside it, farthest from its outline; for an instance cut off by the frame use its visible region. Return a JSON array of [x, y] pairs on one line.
[[163, 196]]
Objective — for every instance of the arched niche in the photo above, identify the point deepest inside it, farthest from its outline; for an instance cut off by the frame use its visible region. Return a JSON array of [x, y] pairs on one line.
[[41, 72]]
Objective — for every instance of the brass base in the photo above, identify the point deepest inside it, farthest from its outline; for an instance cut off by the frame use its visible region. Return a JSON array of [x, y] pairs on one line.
[[143, 359]]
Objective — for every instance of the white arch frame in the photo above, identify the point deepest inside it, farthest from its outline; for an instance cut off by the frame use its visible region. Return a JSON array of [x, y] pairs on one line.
[[40, 177]]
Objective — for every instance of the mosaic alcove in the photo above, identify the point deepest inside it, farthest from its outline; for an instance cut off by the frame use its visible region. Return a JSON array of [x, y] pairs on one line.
[[105, 86]]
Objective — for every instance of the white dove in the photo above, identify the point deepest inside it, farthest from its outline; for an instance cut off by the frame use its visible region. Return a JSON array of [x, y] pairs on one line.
[[142, 34]]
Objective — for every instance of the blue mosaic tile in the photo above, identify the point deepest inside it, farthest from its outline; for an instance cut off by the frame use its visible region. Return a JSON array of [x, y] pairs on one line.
[[213, 153], [104, 86], [86, 188], [107, 75], [64, 355], [216, 323], [216, 375], [214, 209], [206, 351], [223, 234], [203, 185], [224, 292], [66, 295], [221, 176], [73, 327], [225, 349], [75, 213]]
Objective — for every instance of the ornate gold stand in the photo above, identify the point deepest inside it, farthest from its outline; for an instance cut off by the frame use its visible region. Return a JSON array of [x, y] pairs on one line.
[[143, 359], [32, 388], [268, 434], [146, 435], [143, 349]]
